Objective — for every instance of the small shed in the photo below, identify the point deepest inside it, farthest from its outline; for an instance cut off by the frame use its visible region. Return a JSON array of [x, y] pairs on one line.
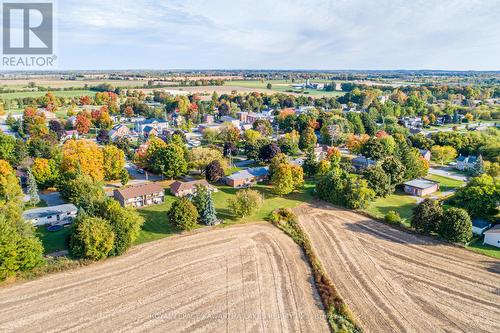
[[421, 187], [479, 226]]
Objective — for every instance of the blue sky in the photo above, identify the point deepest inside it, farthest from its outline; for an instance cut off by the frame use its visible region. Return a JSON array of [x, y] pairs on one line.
[[281, 34]]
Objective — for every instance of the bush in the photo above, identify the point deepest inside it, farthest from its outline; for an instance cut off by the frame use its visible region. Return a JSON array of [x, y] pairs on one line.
[[92, 238], [427, 216], [456, 226], [183, 214], [282, 215], [392, 217], [245, 203], [125, 222]]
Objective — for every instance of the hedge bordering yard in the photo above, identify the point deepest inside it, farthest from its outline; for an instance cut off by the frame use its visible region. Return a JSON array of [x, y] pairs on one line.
[[339, 316]]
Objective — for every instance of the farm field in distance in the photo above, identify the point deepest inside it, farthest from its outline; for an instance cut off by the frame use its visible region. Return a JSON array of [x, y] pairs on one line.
[[35, 94], [246, 278], [395, 281]]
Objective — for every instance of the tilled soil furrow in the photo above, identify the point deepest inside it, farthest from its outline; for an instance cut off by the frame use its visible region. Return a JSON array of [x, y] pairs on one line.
[[397, 281], [234, 279]]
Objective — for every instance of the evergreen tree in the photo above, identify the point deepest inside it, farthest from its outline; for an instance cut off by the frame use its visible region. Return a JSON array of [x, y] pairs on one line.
[[32, 189], [209, 215], [478, 169]]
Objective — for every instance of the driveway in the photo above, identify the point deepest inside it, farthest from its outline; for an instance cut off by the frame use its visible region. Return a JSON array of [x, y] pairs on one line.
[[448, 172], [52, 198]]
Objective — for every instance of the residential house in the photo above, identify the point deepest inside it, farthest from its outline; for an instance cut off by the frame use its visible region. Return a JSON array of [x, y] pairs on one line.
[[231, 120], [72, 134], [118, 131], [421, 187], [426, 154], [243, 117], [360, 163], [492, 236], [247, 177], [62, 214], [140, 195], [466, 163], [181, 189], [252, 117], [320, 151], [208, 119], [479, 226], [149, 131], [158, 124]]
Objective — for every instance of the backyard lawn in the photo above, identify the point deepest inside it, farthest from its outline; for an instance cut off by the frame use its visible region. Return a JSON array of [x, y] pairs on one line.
[[156, 224], [399, 202], [446, 184], [477, 246], [53, 241]]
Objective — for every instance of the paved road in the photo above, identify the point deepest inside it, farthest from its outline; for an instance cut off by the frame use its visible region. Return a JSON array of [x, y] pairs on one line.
[[448, 172], [52, 198]]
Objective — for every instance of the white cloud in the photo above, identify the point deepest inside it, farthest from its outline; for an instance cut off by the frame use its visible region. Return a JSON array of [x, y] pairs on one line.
[[441, 34]]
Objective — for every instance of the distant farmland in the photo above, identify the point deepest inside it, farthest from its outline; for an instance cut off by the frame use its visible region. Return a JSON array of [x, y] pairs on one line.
[[25, 94]]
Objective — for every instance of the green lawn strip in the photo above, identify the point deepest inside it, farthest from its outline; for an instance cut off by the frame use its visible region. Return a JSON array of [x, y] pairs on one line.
[[477, 245], [53, 241], [445, 183], [399, 202]]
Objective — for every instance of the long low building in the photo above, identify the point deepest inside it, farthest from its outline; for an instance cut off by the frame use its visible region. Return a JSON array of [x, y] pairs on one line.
[[247, 177], [421, 187], [140, 195], [62, 214]]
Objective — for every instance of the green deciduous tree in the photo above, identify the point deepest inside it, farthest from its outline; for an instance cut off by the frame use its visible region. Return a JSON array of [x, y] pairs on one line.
[[443, 154], [125, 222], [91, 238], [378, 180], [245, 202], [427, 216], [307, 139], [480, 196], [183, 214], [456, 226]]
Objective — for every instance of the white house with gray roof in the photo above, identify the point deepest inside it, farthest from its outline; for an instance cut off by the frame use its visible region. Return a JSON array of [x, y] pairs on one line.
[[62, 214]]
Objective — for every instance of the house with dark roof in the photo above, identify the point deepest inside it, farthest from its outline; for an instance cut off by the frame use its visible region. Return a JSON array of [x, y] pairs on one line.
[[245, 178], [140, 195], [421, 187], [466, 163], [158, 124], [360, 163], [181, 189], [479, 226]]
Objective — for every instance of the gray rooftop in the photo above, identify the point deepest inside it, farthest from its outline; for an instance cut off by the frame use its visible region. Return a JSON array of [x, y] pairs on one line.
[[421, 183], [250, 173], [35, 213]]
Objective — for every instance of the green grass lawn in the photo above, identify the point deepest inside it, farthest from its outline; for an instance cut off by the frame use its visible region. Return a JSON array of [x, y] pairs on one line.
[[399, 202], [445, 183], [53, 241], [67, 93], [477, 246], [156, 224]]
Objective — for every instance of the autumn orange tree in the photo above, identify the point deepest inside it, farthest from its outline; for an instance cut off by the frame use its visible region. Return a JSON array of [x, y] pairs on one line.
[[83, 122], [83, 156], [34, 122]]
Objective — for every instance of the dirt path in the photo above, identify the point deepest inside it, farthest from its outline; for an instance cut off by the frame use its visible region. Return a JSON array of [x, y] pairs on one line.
[[397, 282], [253, 275]]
